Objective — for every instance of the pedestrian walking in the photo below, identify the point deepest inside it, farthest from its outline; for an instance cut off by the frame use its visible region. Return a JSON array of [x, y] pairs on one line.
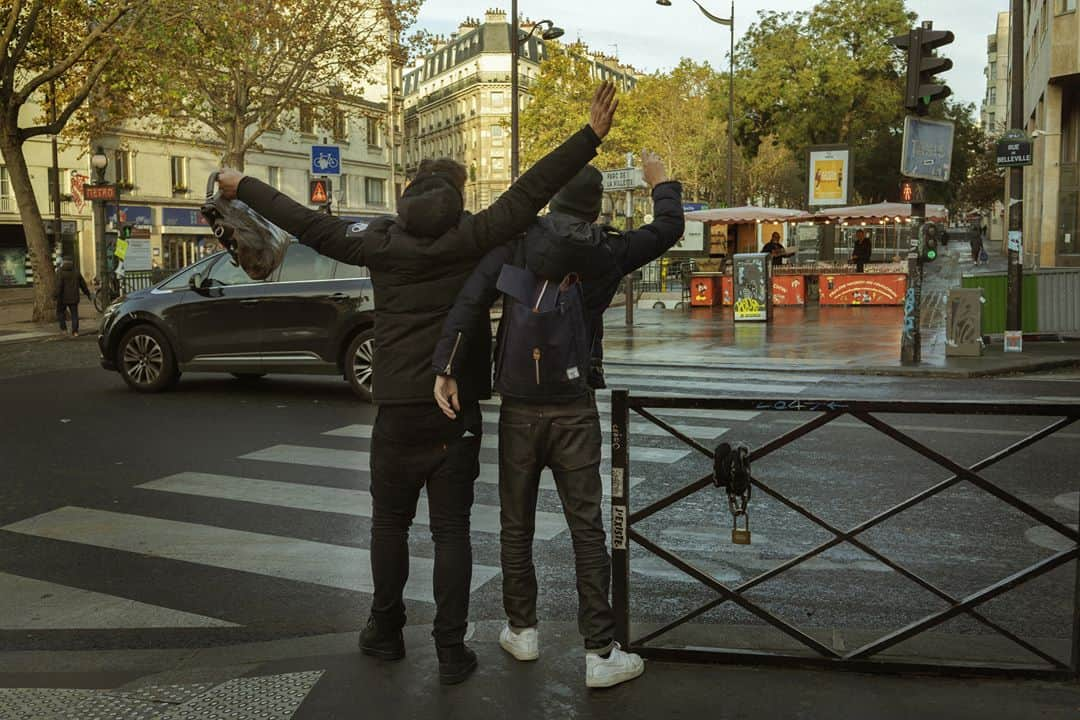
[[861, 250], [977, 239], [556, 283], [69, 283], [419, 261]]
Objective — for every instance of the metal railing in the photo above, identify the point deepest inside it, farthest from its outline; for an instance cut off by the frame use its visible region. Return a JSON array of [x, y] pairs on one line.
[[868, 656]]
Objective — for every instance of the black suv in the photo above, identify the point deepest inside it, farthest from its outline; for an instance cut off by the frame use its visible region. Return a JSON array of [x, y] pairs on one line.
[[313, 315]]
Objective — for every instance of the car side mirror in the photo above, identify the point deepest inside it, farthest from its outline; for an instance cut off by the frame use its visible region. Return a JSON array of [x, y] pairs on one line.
[[196, 281]]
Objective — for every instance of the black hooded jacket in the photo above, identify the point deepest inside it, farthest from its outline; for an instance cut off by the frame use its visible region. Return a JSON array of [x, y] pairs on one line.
[[69, 283], [420, 259], [556, 245]]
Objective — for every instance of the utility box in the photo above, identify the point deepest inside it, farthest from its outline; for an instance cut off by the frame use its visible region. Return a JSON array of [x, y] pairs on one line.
[[963, 323]]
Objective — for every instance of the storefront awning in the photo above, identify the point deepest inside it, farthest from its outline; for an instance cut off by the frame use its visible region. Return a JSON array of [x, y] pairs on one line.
[[876, 214], [749, 214]]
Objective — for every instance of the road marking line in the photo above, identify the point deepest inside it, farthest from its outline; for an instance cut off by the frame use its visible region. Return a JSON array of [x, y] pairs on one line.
[[720, 374], [317, 498], [359, 459], [638, 426], [31, 604], [603, 404], [614, 381], [337, 566]]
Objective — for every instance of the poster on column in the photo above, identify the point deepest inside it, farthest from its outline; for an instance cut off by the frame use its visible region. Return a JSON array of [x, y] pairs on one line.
[[830, 176], [138, 254], [752, 287]]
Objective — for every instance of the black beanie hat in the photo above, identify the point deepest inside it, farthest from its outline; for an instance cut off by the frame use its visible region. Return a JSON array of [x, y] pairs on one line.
[[582, 196]]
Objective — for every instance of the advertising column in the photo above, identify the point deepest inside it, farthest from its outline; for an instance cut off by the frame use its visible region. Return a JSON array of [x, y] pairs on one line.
[[753, 299]]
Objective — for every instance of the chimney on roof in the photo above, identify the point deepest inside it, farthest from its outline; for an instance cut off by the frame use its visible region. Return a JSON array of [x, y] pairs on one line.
[[495, 16]]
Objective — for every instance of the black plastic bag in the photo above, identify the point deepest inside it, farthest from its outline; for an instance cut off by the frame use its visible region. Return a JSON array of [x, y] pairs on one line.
[[255, 244]]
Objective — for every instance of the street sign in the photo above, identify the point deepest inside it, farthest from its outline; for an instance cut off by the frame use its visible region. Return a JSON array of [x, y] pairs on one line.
[[623, 179], [928, 146], [319, 192], [105, 193], [1014, 151], [694, 206], [325, 160]]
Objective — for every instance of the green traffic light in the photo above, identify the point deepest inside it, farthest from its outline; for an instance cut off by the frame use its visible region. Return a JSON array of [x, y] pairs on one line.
[[931, 254]]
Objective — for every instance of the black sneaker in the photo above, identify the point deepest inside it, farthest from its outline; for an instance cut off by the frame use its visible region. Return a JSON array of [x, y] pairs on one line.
[[456, 663], [382, 645]]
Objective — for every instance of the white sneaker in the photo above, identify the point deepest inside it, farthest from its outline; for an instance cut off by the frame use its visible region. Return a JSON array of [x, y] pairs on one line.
[[618, 667], [523, 645]]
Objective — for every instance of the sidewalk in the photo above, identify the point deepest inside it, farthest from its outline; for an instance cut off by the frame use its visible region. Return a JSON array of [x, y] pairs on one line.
[[16, 323], [860, 340], [325, 678]]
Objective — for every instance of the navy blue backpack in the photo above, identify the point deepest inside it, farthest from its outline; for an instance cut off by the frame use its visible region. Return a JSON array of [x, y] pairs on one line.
[[543, 345]]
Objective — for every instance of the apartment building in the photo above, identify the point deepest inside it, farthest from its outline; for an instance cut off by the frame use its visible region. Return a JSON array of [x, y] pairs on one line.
[[457, 99]]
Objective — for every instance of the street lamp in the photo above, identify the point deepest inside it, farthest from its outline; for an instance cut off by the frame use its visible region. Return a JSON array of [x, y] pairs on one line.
[[730, 22], [549, 32], [99, 161]]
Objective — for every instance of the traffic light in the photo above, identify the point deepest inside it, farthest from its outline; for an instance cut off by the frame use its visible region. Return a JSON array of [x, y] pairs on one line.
[[928, 242], [912, 191], [922, 65], [125, 232]]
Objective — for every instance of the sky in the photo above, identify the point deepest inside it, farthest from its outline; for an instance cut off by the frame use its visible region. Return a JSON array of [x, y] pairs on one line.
[[651, 37]]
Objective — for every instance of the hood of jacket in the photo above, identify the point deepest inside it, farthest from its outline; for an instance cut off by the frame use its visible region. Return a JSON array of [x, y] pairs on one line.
[[559, 244], [429, 207]]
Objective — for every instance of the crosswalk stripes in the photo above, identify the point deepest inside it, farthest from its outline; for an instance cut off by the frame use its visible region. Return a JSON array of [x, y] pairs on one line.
[[336, 566], [200, 539], [345, 501]]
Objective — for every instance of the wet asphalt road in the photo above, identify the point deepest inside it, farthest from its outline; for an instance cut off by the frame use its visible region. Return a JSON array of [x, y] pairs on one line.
[[75, 437]]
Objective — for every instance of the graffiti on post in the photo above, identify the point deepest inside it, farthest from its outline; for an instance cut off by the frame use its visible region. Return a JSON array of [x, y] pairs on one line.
[[909, 312]]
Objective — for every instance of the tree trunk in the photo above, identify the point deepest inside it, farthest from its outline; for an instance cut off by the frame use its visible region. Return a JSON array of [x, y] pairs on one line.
[[36, 242]]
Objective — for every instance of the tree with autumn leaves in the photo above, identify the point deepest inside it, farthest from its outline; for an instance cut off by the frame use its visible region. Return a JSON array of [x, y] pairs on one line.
[[218, 73]]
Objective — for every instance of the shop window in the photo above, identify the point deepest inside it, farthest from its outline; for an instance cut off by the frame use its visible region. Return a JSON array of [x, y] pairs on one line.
[[179, 174], [125, 170], [375, 189]]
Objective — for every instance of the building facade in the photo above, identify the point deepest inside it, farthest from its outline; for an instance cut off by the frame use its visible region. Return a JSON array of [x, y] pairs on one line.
[[994, 109], [162, 181], [1051, 66], [457, 100]]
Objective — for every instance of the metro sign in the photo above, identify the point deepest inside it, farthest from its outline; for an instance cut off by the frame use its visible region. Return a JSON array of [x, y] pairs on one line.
[[105, 193]]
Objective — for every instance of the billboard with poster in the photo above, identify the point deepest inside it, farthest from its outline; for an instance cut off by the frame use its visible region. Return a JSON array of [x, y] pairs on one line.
[[751, 286], [829, 175]]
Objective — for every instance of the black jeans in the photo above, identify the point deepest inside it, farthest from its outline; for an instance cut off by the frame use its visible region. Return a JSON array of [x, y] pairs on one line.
[[399, 470], [567, 439], [73, 308]]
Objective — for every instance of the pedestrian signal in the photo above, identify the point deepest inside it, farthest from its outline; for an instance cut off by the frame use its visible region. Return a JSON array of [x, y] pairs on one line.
[[911, 191], [319, 192]]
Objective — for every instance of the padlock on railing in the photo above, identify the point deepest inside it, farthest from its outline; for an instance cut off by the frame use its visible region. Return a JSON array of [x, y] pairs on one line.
[[731, 471]]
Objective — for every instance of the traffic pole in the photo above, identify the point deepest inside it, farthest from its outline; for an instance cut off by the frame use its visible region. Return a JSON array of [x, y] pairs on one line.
[[1013, 312], [911, 338]]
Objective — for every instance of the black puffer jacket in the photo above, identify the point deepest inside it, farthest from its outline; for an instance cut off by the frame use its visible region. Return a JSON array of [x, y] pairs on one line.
[[555, 245], [420, 260], [69, 283]]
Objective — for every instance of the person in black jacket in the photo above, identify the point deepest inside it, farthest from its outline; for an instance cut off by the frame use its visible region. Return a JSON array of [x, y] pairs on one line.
[[419, 262], [861, 251], [553, 428], [69, 283]]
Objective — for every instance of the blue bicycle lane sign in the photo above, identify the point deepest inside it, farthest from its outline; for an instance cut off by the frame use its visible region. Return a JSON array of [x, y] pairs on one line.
[[325, 160]]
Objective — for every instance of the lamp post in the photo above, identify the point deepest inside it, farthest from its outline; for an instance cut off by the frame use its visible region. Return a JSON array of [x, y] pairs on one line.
[[99, 161], [550, 32], [730, 22]]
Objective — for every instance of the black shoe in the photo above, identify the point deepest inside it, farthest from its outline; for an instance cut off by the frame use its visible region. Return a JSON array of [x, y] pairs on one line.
[[456, 663], [383, 645]]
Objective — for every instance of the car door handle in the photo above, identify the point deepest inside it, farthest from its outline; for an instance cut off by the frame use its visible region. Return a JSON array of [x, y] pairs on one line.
[[339, 297], [249, 301]]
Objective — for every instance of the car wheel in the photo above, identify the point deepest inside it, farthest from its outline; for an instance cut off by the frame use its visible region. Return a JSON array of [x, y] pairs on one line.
[[658, 305], [359, 363], [248, 377], [145, 359], [680, 305]]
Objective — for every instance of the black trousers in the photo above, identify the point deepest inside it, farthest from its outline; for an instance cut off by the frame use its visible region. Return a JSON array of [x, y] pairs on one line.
[[565, 438], [73, 308], [399, 470]]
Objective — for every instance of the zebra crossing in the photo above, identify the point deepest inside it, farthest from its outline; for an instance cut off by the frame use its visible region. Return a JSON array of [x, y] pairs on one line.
[[321, 475]]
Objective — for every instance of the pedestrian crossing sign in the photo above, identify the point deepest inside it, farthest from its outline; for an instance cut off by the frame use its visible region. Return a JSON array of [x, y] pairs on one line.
[[319, 192]]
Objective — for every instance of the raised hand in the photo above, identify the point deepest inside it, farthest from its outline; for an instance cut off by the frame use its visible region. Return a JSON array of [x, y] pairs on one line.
[[653, 168], [603, 109], [228, 180]]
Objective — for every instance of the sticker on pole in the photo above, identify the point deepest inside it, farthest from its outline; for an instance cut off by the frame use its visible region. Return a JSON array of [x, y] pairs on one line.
[[618, 527], [1014, 341], [1016, 241]]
